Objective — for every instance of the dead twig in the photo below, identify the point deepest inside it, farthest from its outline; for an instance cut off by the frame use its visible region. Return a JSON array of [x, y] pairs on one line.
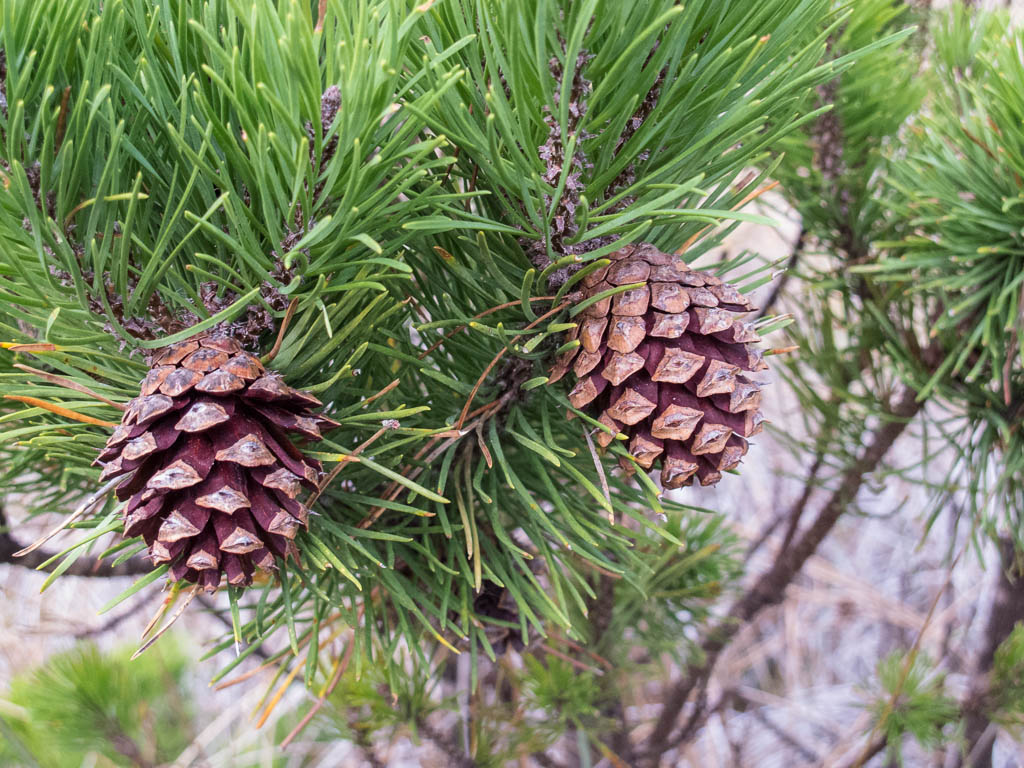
[[483, 376], [280, 332]]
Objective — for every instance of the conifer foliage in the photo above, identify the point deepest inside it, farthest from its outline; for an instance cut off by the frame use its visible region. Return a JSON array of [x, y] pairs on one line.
[[383, 310], [400, 198], [397, 209]]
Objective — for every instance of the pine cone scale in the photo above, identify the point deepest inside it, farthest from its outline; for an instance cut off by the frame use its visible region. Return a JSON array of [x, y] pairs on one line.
[[179, 381]]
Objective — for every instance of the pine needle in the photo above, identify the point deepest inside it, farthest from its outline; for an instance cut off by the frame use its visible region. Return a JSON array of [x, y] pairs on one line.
[[600, 474], [352, 457], [30, 347], [59, 410], [85, 507], [276, 698], [165, 606], [60, 381], [177, 615], [339, 671], [485, 313], [750, 197]]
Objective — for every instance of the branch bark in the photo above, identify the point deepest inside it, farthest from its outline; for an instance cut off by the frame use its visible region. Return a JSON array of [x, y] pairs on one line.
[[1007, 610], [769, 589], [601, 612]]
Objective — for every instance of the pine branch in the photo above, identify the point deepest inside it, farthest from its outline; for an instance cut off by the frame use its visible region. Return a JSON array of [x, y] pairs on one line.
[[770, 587]]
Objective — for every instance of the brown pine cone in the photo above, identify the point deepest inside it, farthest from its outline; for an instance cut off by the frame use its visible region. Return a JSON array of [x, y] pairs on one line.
[[663, 363], [212, 477]]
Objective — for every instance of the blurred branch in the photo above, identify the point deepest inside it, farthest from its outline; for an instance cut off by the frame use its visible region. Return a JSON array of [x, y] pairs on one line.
[[777, 289], [601, 609], [110, 624], [81, 567], [127, 746], [873, 748], [798, 509], [805, 753], [362, 740], [1007, 611], [769, 589], [545, 761]]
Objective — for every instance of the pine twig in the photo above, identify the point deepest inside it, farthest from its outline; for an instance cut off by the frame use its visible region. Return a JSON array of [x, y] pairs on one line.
[[908, 664], [289, 313], [348, 459], [483, 376]]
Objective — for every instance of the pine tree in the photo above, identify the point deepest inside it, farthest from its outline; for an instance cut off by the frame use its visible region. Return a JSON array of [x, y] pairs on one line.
[[466, 243]]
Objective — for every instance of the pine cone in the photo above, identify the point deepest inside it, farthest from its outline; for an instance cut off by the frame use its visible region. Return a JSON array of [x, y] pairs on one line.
[[662, 363], [213, 478]]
